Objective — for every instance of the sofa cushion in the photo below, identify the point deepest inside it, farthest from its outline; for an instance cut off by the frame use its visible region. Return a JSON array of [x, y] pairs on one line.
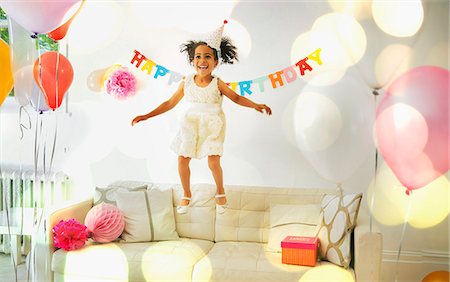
[[291, 220], [247, 216], [339, 216], [199, 221], [108, 194], [148, 215], [247, 261], [149, 261]]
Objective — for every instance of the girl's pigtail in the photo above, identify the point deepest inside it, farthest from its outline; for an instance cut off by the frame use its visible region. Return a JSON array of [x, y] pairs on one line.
[[228, 52], [189, 48]]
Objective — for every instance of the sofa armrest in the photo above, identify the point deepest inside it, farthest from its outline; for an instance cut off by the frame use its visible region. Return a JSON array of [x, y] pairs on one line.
[[368, 250], [44, 238], [77, 210]]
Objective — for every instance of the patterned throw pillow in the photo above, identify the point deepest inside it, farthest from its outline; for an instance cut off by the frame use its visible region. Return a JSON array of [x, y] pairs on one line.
[[108, 194], [339, 214]]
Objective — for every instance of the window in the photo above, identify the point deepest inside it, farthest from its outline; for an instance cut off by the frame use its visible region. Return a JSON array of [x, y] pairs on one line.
[[45, 42]]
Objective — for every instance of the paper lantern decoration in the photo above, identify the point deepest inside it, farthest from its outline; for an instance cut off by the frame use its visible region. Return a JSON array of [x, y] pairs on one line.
[[120, 82], [69, 235], [104, 222]]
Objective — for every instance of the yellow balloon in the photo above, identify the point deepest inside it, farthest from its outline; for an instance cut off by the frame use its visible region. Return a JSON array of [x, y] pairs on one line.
[[6, 77], [437, 276]]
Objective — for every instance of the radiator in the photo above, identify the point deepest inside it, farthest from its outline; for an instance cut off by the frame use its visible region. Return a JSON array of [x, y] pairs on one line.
[[19, 192]]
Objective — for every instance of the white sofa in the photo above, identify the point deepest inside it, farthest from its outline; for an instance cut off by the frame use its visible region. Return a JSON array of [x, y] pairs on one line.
[[212, 247]]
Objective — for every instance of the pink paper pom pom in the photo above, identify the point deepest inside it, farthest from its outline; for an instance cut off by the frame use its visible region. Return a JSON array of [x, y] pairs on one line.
[[69, 235], [121, 83], [105, 223]]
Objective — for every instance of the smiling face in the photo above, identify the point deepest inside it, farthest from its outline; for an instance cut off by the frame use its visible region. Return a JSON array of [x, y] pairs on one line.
[[204, 60]]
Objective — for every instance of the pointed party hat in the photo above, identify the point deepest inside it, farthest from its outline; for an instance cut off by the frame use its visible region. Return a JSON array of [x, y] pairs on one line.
[[215, 38]]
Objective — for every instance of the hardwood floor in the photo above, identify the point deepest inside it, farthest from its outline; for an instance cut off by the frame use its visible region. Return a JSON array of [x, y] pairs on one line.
[[7, 272]]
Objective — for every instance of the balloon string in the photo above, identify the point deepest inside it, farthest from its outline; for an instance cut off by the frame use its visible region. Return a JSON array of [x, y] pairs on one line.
[[6, 205], [22, 126], [408, 212], [37, 136], [372, 201], [54, 143], [40, 70]]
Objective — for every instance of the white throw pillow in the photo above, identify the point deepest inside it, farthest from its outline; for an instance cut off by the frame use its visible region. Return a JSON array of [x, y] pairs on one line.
[[148, 215], [291, 220], [108, 194], [339, 214]]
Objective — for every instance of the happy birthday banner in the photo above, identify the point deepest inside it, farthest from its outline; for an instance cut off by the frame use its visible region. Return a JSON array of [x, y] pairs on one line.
[[277, 79]]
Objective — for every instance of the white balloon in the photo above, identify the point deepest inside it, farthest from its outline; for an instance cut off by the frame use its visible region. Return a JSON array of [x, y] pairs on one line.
[[333, 127], [23, 55]]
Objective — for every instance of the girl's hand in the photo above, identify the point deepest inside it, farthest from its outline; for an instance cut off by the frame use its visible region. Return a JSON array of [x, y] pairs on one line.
[[137, 119], [263, 108]]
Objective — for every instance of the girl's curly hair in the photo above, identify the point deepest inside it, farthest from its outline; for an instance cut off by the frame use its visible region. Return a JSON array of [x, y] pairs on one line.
[[228, 52]]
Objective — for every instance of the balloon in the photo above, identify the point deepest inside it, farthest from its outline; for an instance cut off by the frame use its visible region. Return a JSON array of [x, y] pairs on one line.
[[53, 82], [37, 16], [412, 126], [333, 127], [6, 78], [437, 276], [37, 100], [23, 55], [387, 42], [61, 31], [96, 79], [23, 84]]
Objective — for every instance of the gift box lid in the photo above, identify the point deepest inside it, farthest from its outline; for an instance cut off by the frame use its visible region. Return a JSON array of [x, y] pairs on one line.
[[300, 242]]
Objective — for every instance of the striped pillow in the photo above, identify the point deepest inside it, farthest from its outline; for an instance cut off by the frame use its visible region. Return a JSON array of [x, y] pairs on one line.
[[148, 215]]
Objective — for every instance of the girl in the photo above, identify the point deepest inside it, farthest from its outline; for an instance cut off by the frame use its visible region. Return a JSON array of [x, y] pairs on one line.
[[202, 129]]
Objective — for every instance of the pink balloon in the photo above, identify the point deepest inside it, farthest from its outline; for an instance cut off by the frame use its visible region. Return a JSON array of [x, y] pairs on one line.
[[412, 126], [104, 222], [38, 16]]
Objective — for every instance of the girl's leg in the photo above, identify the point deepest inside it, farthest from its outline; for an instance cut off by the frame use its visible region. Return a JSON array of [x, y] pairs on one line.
[[185, 174], [216, 169]]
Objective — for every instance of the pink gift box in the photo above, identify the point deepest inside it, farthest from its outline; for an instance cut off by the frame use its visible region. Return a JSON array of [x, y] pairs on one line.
[[299, 250]]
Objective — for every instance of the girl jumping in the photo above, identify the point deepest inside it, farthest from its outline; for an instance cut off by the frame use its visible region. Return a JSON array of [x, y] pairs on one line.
[[202, 129]]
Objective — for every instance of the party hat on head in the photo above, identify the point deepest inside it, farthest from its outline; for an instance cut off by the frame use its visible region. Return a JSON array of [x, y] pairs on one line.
[[214, 38]]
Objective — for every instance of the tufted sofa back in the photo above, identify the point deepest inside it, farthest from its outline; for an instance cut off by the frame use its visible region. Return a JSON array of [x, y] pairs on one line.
[[248, 215]]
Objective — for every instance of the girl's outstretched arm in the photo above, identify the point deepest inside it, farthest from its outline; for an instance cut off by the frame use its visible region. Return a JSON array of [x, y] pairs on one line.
[[240, 100], [164, 107]]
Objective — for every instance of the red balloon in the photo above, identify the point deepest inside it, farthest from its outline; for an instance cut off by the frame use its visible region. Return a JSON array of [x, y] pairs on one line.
[[60, 32], [412, 126], [53, 74]]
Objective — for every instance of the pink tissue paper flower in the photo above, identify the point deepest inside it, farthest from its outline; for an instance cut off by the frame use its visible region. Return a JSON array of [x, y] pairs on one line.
[[70, 235], [121, 83]]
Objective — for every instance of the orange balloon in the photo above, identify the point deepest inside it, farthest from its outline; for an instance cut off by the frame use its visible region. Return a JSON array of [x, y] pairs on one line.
[[53, 82], [6, 77], [60, 32], [437, 276]]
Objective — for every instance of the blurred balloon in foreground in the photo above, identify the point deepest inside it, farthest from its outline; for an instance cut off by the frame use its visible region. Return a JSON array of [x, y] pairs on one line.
[[389, 205], [6, 79], [38, 16], [327, 273], [437, 276], [412, 126], [333, 127]]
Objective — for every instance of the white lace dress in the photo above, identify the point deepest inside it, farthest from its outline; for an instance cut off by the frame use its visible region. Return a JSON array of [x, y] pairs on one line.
[[202, 129]]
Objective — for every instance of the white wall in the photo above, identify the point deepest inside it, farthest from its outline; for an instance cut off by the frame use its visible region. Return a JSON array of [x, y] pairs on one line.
[[96, 144]]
